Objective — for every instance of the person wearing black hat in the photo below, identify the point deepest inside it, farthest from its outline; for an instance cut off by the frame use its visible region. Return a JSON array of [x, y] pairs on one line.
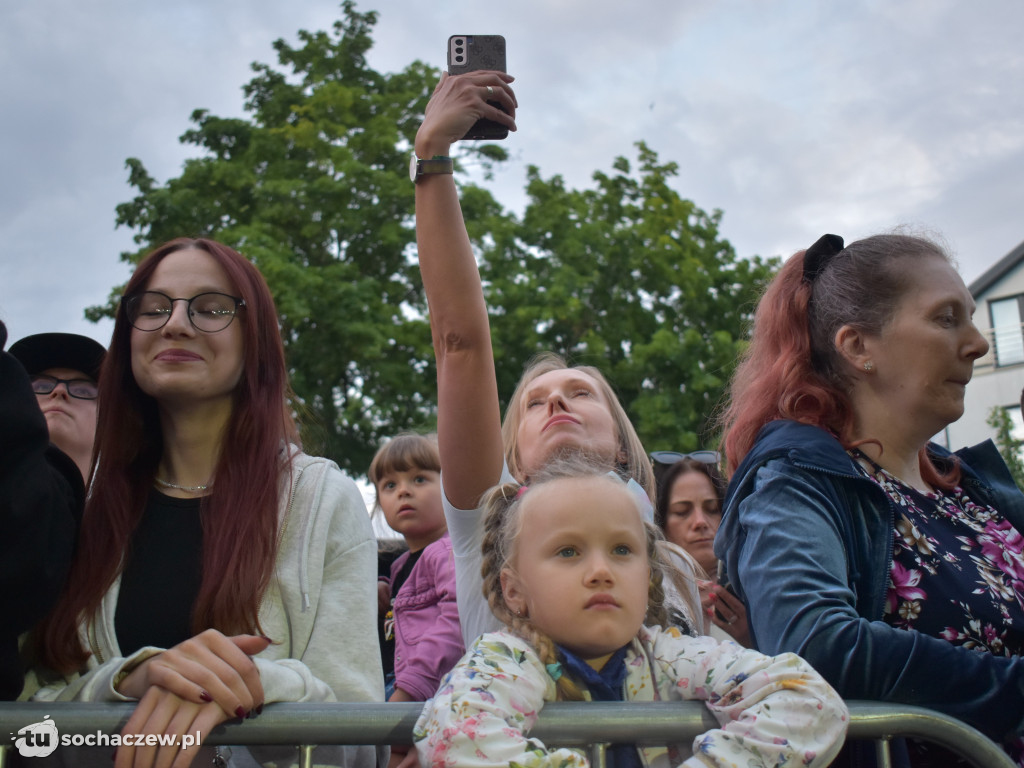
[[64, 369], [41, 499]]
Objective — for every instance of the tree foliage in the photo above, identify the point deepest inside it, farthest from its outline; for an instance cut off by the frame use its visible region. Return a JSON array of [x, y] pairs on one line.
[[1009, 446], [632, 278], [311, 185]]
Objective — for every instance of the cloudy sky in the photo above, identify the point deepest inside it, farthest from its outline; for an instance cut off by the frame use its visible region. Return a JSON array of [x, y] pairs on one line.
[[794, 117]]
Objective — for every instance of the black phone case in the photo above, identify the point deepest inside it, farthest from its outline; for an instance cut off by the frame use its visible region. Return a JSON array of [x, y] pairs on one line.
[[479, 52]]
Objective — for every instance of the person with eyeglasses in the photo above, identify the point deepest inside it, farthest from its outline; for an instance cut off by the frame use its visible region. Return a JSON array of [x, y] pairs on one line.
[[688, 510], [64, 369], [41, 498], [219, 568]]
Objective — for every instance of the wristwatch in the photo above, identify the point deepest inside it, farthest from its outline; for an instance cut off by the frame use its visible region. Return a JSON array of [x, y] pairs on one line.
[[437, 164]]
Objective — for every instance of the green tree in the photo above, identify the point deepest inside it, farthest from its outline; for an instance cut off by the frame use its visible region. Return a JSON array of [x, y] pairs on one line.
[[312, 186], [1009, 446], [628, 276]]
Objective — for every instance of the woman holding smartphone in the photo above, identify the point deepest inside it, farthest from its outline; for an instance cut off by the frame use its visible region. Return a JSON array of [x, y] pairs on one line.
[[555, 408]]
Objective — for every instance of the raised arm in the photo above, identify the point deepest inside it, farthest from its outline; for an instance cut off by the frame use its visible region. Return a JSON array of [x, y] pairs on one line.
[[469, 421]]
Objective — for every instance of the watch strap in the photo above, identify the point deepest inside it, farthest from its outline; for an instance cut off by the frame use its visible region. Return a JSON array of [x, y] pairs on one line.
[[438, 164]]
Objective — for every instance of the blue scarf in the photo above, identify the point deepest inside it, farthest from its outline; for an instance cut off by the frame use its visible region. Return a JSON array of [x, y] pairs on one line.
[[606, 685]]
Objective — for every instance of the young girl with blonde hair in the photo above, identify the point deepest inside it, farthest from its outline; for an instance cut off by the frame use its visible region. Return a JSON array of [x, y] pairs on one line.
[[570, 569]]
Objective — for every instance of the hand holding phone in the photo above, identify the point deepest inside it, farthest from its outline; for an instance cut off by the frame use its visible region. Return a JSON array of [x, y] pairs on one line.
[[471, 53]]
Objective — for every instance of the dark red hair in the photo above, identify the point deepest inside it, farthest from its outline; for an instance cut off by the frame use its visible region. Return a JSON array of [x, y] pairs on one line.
[[239, 520], [792, 369]]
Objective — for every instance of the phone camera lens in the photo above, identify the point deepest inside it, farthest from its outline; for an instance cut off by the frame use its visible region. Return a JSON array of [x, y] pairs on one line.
[[459, 41], [458, 50], [458, 59]]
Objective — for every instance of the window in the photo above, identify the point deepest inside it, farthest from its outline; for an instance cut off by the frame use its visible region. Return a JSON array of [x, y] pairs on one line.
[[1006, 330]]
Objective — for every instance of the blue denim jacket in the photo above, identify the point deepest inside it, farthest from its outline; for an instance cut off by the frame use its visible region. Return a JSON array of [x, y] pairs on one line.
[[807, 541]]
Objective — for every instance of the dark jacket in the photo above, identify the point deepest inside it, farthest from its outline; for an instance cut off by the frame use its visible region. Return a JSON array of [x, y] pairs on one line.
[[41, 501], [807, 543]]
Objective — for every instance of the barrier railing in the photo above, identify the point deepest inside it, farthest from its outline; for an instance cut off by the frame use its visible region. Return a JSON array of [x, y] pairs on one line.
[[591, 724]]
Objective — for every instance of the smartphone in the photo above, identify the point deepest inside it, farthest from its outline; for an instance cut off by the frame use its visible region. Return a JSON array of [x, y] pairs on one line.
[[469, 53], [728, 587]]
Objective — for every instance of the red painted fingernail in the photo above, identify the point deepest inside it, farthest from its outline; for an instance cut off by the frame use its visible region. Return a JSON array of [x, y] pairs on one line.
[[205, 696], [240, 713]]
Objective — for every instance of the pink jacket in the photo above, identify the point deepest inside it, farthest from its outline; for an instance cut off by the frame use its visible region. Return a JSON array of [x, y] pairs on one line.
[[428, 638]]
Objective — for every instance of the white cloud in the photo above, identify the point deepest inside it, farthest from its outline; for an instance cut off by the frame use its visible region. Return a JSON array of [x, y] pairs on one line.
[[792, 117]]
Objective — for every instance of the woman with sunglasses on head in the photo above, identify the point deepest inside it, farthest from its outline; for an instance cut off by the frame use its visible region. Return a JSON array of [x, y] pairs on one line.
[[555, 409], [691, 489], [219, 568], [891, 565]]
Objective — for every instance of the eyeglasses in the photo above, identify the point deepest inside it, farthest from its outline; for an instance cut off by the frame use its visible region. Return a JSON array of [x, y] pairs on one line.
[[83, 389], [671, 457], [208, 312]]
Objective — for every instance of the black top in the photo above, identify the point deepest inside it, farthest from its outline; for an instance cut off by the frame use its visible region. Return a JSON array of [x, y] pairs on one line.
[[385, 557], [41, 500], [161, 576], [403, 575]]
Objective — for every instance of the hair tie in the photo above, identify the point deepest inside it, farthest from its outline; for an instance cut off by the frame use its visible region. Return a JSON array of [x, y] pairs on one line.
[[554, 671], [643, 501], [522, 489], [819, 255]]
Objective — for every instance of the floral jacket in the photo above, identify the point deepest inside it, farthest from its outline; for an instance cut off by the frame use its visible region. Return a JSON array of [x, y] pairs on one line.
[[807, 542], [774, 711]]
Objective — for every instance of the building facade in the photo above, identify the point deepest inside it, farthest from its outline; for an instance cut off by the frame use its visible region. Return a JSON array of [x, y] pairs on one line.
[[999, 376]]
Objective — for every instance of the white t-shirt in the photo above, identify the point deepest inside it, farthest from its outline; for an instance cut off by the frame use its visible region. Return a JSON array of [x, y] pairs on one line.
[[466, 530]]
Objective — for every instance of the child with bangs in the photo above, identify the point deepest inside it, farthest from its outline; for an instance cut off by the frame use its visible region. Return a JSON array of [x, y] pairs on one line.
[[423, 620]]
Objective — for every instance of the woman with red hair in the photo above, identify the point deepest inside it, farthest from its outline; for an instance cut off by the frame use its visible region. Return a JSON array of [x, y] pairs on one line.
[[891, 565], [218, 568]]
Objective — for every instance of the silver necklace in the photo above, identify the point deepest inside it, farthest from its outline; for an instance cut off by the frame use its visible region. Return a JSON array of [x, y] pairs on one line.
[[187, 488]]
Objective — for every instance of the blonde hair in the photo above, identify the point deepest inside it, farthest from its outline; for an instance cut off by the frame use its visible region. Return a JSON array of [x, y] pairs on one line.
[[636, 464], [503, 517]]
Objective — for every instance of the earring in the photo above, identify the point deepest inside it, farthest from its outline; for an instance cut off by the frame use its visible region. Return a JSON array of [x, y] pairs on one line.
[[868, 365]]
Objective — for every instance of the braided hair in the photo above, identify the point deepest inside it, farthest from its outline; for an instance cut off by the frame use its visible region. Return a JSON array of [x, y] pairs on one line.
[[503, 518]]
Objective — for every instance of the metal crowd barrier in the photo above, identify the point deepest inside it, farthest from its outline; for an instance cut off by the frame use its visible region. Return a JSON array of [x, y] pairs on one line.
[[578, 724]]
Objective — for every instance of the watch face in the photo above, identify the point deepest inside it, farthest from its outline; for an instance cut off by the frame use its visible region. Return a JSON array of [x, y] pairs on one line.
[[413, 163]]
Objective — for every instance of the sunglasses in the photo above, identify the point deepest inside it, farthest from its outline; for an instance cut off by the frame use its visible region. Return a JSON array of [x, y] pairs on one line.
[[671, 457]]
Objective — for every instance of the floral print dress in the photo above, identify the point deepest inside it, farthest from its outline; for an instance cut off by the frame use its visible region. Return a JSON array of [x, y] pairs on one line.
[[773, 710], [957, 573]]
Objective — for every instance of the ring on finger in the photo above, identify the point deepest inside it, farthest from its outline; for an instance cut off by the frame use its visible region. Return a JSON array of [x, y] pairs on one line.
[[490, 90]]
